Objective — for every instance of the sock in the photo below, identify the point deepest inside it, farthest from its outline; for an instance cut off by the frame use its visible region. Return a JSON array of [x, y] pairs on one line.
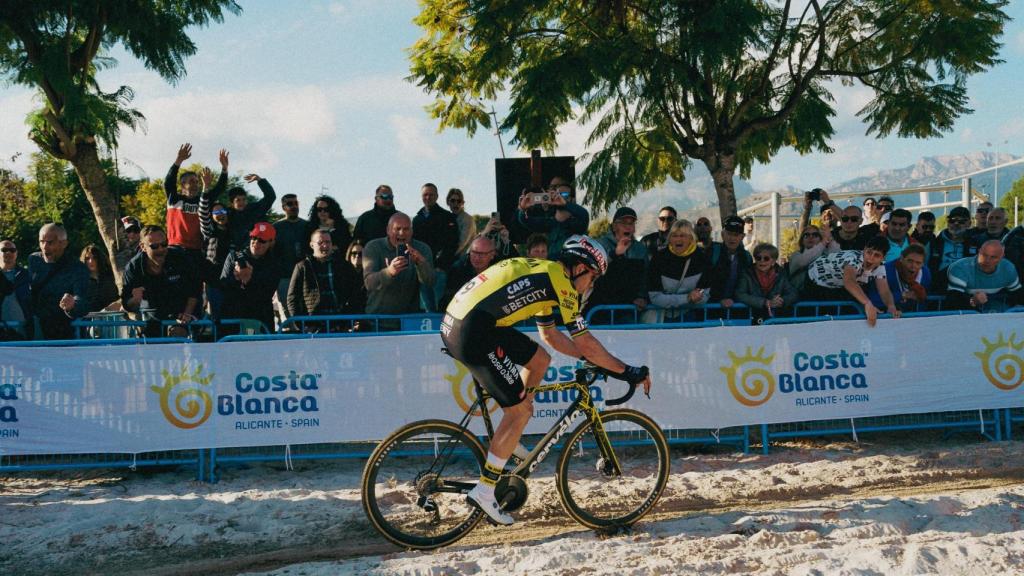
[[490, 474]]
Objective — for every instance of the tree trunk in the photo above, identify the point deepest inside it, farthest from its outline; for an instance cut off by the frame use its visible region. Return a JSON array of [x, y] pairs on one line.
[[104, 204], [723, 167]]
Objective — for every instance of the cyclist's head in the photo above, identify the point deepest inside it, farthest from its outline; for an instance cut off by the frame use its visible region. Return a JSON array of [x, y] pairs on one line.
[[584, 250]]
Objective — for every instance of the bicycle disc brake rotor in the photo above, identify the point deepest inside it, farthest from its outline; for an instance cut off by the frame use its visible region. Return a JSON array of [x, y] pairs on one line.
[[511, 492]]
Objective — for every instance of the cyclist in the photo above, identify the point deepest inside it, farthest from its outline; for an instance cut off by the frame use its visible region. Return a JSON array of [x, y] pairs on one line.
[[477, 330]]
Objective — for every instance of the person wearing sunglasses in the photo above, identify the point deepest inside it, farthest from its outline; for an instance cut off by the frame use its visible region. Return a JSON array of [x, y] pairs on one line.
[[553, 212], [373, 223], [980, 219], [850, 235], [814, 242], [949, 246], [703, 229], [290, 247], [625, 282], [213, 221], [161, 283], [15, 293], [249, 280], [657, 240], [326, 214], [765, 287], [924, 230]]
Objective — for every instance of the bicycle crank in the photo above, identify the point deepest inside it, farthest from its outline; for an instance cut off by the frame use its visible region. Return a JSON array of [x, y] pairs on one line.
[[511, 492]]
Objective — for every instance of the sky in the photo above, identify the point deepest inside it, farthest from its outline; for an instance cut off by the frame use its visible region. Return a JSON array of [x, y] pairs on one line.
[[313, 97]]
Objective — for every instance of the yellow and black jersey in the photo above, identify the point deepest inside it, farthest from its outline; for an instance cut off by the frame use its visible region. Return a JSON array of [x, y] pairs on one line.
[[520, 288]]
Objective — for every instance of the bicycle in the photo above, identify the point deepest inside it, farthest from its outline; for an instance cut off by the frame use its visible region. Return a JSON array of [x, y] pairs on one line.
[[414, 484]]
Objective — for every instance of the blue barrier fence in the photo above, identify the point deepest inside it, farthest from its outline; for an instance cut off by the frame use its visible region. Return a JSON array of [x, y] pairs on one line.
[[992, 424]]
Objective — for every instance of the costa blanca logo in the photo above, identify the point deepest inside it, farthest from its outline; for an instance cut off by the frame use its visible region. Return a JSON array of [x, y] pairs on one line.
[[750, 382], [1002, 361], [191, 405], [463, 389]]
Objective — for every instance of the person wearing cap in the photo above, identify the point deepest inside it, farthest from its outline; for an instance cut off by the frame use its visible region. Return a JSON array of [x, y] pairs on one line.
[[132, 232], [242, 215], [728, 260], [249, 278], [949, 246], [845, 274], [161, 283], [980, 219], [625, 282], [657, 240], [373, 223]]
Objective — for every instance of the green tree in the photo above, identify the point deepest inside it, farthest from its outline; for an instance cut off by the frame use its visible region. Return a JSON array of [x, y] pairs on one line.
[[725, 83], [1016, 193], [57, 46]]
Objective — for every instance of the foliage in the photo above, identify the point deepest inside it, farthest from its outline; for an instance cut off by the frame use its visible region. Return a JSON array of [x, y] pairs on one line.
[[1016, 192], [599, 227], [726, 83]]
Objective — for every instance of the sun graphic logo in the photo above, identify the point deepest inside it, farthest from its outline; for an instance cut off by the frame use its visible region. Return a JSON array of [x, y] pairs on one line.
[[1002, 361], [750, 382], [191, 405], [463, 389]]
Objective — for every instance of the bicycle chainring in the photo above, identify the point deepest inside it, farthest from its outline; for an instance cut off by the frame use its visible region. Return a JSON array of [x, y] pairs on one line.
[[511, 492]]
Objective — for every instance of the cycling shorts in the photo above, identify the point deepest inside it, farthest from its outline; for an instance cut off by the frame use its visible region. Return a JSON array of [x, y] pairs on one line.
[[491, 353]]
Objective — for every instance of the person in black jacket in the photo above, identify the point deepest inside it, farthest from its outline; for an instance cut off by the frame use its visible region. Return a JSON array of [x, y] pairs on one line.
[[324, 284], [242, 215], [728, 262], [373, 223], [325, 214], [161, 283], [437, 228], [249, 279]]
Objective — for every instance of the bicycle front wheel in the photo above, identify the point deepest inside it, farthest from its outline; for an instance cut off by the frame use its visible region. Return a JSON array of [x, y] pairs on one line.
[[414, 484], [592, 492]]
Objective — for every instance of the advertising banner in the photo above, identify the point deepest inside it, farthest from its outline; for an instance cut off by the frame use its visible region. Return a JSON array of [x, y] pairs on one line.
[[132, 399]]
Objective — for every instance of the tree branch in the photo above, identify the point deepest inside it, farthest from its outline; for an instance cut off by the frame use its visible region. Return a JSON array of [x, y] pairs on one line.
[[769, 65]]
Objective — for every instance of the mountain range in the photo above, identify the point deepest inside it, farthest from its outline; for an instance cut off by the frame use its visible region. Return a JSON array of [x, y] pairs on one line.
[[696, 196]]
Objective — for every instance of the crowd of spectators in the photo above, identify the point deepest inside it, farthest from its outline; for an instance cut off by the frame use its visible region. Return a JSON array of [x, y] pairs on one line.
[[218, 257]]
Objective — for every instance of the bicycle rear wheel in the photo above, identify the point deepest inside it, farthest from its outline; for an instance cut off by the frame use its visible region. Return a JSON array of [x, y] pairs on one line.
[[591, 492], [414, 484]]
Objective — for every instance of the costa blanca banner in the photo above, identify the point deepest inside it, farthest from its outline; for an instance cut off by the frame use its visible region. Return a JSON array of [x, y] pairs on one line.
[[132, 399]]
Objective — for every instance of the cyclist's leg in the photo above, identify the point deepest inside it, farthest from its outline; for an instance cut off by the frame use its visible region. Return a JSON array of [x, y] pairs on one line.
[[515, 418]]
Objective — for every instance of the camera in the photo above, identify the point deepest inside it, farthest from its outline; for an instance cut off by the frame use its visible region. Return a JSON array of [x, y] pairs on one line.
[[540, 198], [814, 195], [241, 259]]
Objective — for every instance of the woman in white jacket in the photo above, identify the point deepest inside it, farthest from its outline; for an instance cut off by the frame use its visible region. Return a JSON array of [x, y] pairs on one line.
[[677, 278]]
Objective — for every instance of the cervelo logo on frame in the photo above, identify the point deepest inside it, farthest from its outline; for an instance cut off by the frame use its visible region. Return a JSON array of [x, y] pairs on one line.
[[750, 382], [1002, 361], [191, 405]]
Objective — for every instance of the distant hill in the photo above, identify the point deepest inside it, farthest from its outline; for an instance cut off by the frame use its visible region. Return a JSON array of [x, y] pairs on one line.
[[696, 195]]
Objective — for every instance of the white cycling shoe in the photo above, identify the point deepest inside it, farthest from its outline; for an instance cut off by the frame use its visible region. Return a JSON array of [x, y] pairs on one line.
[[488, 505]]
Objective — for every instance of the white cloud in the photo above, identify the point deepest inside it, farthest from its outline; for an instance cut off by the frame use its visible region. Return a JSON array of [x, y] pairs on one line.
[[15, 146], [415, 139], [249, 123], [337, 9], [1018, 42]]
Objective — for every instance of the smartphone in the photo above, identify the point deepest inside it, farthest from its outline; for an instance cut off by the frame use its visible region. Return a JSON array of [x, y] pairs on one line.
[[814, 195], [496, 216], [403, 250], [540, 198]]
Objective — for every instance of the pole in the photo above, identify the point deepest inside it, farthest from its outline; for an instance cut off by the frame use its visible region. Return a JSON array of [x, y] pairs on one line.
[[776, 228], [965, 193]]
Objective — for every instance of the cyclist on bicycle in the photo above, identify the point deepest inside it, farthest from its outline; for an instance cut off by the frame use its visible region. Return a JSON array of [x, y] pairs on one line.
[[477, 330]]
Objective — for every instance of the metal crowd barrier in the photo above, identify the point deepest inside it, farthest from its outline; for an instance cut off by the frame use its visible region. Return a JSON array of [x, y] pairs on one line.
[[992, 424]]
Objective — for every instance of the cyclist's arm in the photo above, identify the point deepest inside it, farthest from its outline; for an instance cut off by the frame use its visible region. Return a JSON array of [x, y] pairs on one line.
[[583, 346]]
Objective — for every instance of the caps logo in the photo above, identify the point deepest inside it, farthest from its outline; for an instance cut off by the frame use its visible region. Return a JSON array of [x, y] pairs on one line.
[[1005, 370]]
